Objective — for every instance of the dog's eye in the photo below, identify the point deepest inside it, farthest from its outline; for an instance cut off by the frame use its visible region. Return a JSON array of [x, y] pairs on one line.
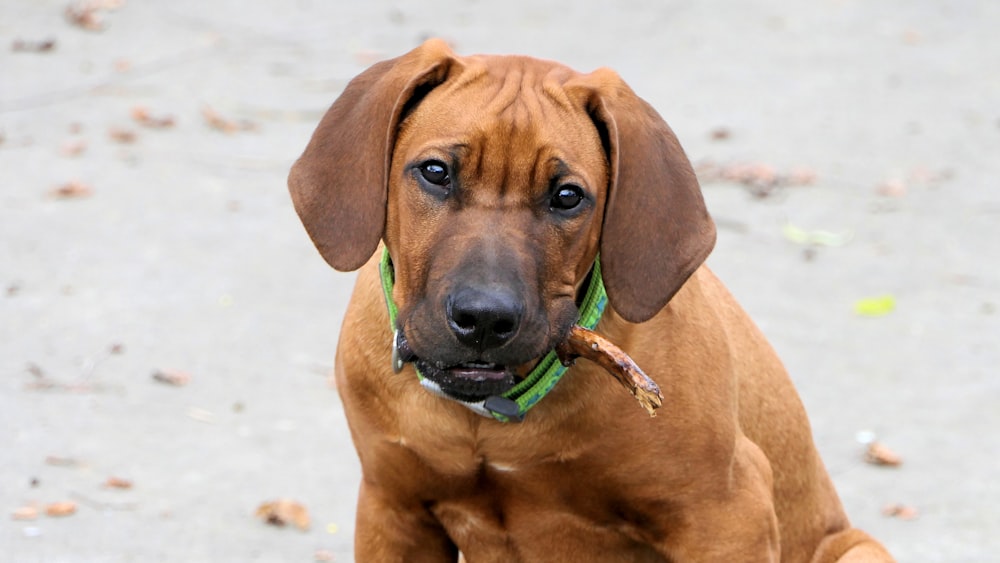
[[435, 172], [566, 197]]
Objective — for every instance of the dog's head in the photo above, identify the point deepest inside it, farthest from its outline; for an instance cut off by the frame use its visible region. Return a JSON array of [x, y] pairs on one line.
[[494, 183]]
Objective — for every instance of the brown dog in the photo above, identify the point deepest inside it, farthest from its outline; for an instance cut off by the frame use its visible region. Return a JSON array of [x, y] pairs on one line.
[[495, 183]]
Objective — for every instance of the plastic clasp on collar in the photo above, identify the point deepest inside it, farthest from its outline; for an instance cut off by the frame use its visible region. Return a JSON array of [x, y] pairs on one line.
[[397, 358], [504, 407]]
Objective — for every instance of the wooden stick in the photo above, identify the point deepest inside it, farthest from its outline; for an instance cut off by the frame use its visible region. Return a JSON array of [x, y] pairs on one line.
[[584, 343]]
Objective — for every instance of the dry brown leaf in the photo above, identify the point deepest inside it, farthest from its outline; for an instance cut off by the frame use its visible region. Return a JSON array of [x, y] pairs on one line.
[[75, 147], [201, 415], [28, 512], [912, 37], [64, 508], [926, 176], [59, 461], [84, 15], [720, 134], [117, 483], [802, 176], [40, 46], [119, 135], [901, 511], [72, 190], [878, 454], [892, 188], [142, 116], [282, 512], [172, 377], [761, 178], [228, 126]]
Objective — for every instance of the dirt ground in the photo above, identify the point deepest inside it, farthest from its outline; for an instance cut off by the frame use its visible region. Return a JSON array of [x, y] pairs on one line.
[[849, 150]]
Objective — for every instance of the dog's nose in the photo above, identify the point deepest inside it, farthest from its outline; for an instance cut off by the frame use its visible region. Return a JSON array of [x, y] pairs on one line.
[[484, 318]]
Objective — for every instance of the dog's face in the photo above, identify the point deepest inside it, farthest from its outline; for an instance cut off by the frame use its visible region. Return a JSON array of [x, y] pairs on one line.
[[493, 221], [494, 182]]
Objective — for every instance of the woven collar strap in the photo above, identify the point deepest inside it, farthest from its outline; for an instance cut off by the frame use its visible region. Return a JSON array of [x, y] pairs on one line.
[[515, 403]]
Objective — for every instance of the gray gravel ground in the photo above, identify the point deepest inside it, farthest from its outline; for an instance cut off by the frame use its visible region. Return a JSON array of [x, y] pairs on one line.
[[187, 254]]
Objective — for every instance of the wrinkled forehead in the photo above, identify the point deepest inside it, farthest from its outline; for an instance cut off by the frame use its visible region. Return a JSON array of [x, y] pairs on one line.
[[514, 106]]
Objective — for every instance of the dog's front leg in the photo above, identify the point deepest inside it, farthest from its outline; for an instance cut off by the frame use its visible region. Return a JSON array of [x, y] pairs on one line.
[[738, 521], [391, 532]]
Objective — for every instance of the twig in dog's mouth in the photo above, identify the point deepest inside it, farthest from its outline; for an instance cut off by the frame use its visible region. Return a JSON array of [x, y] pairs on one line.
[[584, 343]]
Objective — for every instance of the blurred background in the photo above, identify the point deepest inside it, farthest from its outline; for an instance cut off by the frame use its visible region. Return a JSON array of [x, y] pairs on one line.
[[167, 329]]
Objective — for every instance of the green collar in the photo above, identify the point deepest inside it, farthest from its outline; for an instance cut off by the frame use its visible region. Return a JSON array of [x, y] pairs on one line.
[[515, 403]]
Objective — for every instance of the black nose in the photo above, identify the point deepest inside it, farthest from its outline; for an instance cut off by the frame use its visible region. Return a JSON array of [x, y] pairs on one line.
[[484, 318]]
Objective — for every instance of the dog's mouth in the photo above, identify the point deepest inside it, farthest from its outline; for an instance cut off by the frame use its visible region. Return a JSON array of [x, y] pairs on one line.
[[470, 381]]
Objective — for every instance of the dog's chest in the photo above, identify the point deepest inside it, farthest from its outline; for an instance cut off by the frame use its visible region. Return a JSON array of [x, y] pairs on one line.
[[515, 511]]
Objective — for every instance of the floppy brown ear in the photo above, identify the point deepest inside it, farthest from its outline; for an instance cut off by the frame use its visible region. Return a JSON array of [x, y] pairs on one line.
[[656, 230], [339, 184]]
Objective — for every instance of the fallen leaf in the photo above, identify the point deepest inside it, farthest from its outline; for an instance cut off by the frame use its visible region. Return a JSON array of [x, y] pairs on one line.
[[75, 147], [892, 188], [142, 116], [117, 483], [878, 454], [119, 135], [720, 134], [172, 377], [62, 461], [802, 176], [58, 509], [901, 511], [25, 46], [84, 15], [753, 174], [201, 415], [25, 513], [72, 190], [875, 306], [816, 237], [924, 175], [762, 179], [282, 512], [228, 126], [912, 37]]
